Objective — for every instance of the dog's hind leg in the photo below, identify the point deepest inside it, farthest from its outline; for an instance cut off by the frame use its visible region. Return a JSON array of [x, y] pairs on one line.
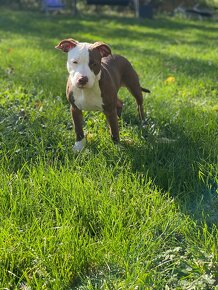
[[136, 91], [131, 81], [119, 107]]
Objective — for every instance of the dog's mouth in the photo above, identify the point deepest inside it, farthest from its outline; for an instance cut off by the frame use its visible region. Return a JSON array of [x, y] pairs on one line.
[[79, 86]]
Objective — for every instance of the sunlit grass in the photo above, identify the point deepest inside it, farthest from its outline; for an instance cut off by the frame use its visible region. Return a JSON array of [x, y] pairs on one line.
[[138, 215]]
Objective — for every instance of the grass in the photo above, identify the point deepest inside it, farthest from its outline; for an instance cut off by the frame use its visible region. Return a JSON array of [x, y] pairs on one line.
[[139, 215]]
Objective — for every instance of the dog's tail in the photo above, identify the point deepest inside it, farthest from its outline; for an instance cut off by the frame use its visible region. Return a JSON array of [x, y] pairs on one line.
[[145, 90]]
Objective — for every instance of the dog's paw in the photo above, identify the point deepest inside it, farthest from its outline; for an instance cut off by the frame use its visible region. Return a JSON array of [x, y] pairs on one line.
[[144, 123], [79, 145]]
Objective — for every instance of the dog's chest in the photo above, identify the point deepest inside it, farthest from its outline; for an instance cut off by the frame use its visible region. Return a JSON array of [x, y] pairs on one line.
[[89, 99]]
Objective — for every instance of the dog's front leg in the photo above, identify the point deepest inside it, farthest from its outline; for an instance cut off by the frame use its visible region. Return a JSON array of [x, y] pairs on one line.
[[113, 123], [78, 125]]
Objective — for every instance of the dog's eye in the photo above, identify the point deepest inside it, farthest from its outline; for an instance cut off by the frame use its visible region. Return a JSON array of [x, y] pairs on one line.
[[75, 62]]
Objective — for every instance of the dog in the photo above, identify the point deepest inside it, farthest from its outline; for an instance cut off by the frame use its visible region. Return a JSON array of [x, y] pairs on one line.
[[95, 77]]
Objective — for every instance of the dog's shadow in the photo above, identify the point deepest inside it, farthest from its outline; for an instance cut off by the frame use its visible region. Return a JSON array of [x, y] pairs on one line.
[[172, 163]]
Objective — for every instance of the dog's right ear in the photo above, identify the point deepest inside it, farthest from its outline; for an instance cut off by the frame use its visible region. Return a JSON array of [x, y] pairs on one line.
[[67, 44]]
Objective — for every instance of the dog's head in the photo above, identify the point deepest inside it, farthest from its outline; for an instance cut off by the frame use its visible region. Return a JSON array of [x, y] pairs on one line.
[[84, 61]]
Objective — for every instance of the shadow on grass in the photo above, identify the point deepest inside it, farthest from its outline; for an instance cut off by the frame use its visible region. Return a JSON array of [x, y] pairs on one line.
[[176, 161], [175, 167], [16, 21], [44, 32], [60, 26]]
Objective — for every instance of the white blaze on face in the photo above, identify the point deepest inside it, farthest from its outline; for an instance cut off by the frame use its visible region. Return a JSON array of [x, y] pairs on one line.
[[88, 97], [78, 65]]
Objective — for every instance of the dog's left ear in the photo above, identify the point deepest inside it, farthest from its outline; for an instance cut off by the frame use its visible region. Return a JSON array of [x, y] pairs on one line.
[[103, 48], [66, 44]]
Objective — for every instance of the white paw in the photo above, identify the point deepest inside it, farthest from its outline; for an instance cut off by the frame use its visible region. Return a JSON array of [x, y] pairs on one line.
[[79, 145]]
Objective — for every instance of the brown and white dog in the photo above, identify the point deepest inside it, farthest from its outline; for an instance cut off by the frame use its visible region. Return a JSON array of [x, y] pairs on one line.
[[95, 76]]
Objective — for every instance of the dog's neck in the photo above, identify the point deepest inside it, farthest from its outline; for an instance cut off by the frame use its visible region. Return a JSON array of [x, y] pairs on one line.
[[89, 99]]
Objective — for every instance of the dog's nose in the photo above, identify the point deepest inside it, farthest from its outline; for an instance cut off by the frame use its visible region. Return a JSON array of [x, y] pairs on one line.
[[82, 80]]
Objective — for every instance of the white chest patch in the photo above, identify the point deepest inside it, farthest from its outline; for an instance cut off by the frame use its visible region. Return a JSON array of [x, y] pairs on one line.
[[88, 99]]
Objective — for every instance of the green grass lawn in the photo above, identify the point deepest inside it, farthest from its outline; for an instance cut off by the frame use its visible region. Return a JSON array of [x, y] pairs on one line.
[[139, 215]]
